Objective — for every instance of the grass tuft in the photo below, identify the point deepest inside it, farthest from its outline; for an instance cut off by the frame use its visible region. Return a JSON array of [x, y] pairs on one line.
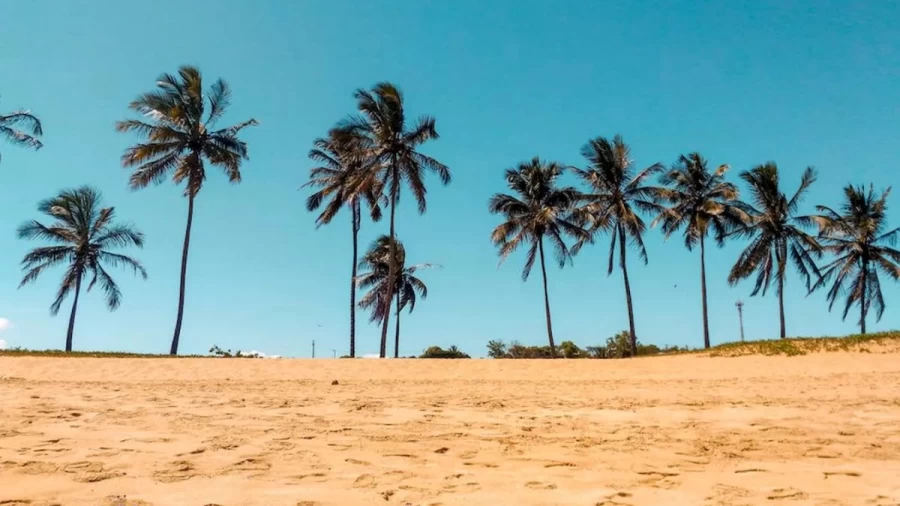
[[795, 346]]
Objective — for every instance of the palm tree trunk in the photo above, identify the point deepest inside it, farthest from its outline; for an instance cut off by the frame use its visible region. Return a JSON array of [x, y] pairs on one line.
[[547, 300], [703, 291], [862, 301], [397, 329], [389, 293], [622, 250], [781, 303], [72, 316], [356, 223], [184, 259]]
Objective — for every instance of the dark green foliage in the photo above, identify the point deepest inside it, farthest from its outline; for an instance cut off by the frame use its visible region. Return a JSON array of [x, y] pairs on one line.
[[438, 352], [618, 346], [496, 349]]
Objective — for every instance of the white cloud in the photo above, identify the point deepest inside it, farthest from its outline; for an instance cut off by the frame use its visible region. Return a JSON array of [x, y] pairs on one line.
[[258, 354], [4, 324], [3, 344]]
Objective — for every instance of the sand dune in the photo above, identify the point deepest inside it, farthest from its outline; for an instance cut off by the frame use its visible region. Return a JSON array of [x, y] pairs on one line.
[[818, 429]]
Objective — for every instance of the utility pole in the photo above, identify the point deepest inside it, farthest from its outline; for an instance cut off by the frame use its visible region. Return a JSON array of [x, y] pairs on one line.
[[314, 348], [334, 353], [740, 307]]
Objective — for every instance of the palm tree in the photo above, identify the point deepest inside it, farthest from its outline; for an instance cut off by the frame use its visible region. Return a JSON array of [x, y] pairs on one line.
[[540, 209], [179, 136], [82, 236], [699, 200], [336, 178], [394, 158], [407, 286], [776, 232], [857, 238], [615, 193], [11, 123]]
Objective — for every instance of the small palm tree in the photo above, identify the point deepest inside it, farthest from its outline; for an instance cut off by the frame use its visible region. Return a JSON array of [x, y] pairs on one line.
[[394, 158], [82, 236], [776, 234], [407, 287], [21, 128], [337, 179], [178, 128], [616, 197], [540, 209], [856, 237], [699, 200]]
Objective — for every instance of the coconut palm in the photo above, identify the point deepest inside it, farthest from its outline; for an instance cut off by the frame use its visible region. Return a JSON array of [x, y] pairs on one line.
[[699, 200], [83, 236], [616, 197], [776, 233], [856, 237], [394, 158], [180, 139], [407, 287], [540, 209], [336, 180], [21, 128]]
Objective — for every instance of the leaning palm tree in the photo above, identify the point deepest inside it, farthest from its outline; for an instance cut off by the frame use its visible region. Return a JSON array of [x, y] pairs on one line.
[[615, 200], [407, 287], [82, 236], [340, 179], [540, 209], [394, 158], [776, 233], [856, 236], [21, 128], [180, 138], [699, 200]]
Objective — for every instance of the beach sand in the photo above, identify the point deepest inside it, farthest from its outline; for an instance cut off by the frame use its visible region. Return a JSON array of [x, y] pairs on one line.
[[695, 430]]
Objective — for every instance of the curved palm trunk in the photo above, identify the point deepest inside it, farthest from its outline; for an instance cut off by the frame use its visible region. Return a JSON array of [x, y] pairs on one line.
[[547, 300], [356, 224], [622, 250], [397, 329], [389, 293], [71, 331], [703, 291], [184, 259]]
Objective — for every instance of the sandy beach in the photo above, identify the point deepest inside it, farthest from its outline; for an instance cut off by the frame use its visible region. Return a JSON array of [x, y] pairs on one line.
[[695, 430]]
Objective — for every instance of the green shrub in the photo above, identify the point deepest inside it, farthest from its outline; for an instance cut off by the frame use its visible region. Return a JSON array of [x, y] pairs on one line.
[[438, 352]]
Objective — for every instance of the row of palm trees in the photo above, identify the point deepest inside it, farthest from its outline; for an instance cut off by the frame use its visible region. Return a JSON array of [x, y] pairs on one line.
[[700, 203], [371, 157]]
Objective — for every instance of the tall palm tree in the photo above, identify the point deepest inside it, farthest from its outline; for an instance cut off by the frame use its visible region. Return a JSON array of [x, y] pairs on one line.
[[699, 200], [21, 128], [540, 209], [336, 179], [394, 157], [407, 287], [82, 236], [856, 236], [180, 139], [776, 232], [616, 197]]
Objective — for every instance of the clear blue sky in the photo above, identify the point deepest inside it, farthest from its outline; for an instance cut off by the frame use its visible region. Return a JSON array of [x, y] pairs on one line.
[[802, 83]]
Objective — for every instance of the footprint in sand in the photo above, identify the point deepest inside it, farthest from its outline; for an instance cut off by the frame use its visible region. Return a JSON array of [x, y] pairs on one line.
[[308, 478], [247, 465], [537, 485], [786, 493], [179, 470]]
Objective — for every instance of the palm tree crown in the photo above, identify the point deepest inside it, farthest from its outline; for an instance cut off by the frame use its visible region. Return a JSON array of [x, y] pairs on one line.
[[699, 200], [393, 157], [83, 235], [856, 237], [615, 200], [21, 128], [776, 234], [179, 133], [540, 209]]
